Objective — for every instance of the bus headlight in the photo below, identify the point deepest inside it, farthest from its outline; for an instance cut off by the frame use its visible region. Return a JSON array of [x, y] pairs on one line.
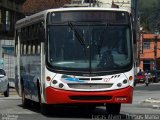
[[125, 81], [54, 82], [119, 84], [57, 84], [61, 85]]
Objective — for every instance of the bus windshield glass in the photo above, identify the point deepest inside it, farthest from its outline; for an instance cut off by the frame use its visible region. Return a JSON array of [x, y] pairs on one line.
[[89, 45]]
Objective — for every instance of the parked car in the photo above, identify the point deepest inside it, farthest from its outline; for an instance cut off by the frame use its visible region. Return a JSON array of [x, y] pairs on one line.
[[140, 78], [4, 83]]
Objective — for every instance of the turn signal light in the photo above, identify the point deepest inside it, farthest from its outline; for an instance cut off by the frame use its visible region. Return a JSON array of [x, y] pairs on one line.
[[130, 78], [48, 78]]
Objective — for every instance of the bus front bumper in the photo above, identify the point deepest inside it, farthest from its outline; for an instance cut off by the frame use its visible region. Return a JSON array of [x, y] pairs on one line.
[[57, 96]]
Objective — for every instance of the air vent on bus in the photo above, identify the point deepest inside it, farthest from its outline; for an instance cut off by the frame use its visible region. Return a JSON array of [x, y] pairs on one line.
[[93, 97], [88, 79], [96, 78], [115, 76], [90, 85]]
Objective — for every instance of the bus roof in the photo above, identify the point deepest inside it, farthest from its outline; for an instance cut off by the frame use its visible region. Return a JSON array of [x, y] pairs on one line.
[[42, 15]]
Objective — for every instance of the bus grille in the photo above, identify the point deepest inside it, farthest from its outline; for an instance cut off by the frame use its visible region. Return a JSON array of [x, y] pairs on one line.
[[90, 97], [89, 86], [88, 79]]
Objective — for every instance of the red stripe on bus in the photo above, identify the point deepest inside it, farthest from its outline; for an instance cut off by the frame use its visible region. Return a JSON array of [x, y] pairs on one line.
[[57, 96]]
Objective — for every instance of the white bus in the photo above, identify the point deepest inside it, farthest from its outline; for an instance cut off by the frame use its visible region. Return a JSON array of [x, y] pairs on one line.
[[80, 56]]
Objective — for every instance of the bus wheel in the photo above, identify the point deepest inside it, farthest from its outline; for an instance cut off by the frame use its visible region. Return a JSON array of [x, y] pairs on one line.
[[6, 93], [25, 102], [39, 94], [91, 108], [87, 107], [44, 109], [113, 109]]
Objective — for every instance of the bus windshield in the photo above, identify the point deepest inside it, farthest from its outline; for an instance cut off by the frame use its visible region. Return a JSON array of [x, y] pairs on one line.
[[89, 46]]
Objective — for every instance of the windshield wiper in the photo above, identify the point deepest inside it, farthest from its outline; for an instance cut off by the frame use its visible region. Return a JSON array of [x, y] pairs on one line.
[[78, 36]]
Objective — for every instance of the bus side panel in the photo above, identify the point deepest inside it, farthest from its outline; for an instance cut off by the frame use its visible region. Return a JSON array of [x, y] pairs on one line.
[[30, 75]]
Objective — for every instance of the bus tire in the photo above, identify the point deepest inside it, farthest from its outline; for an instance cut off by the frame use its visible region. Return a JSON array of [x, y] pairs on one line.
[[39, 93], [87, 107], [44, 108], [6, 93], [113, 108], [25, 101]]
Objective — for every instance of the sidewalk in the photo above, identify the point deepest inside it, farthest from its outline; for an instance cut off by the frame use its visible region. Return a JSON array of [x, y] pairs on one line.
[[12, 91], [11, 83]]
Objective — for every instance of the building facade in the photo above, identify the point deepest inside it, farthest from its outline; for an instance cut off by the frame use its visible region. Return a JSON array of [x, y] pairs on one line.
[[148, 51], [10, 12], [33, 6]]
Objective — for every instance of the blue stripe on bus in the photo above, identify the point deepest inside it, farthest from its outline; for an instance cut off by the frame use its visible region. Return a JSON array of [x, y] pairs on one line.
[[74, 79]]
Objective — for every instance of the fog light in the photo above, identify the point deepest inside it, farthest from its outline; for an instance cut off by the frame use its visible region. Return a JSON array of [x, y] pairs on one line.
[[119, 84], [125, 81], [61, 85], [54, 81]]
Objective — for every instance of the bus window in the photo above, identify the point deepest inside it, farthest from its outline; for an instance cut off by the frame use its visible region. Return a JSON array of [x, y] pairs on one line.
[[33, 49], [38, 49], [24, 49]]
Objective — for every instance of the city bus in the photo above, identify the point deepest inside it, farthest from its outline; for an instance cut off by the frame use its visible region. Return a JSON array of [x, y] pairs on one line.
[[70, 56]]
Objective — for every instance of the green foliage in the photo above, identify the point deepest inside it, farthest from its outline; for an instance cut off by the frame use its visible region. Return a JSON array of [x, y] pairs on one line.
[[149, 13]]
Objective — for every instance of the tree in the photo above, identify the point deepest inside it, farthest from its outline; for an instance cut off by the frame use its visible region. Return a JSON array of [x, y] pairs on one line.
[[149, 14]]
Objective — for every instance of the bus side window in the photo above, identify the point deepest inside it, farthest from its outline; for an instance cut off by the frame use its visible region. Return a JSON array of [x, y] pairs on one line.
[[37, 46], [41, 32], [21, 52], [16, 43], [39, 49], [24, 49], [35, 42], [16, 49], [33, 48], [29, 48], [22, 34]]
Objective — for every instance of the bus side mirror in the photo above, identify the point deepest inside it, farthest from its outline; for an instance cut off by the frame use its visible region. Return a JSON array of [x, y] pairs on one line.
[[134, 37]]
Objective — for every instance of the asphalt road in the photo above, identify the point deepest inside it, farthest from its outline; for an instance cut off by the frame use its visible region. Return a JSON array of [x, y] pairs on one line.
[[11, 108]]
